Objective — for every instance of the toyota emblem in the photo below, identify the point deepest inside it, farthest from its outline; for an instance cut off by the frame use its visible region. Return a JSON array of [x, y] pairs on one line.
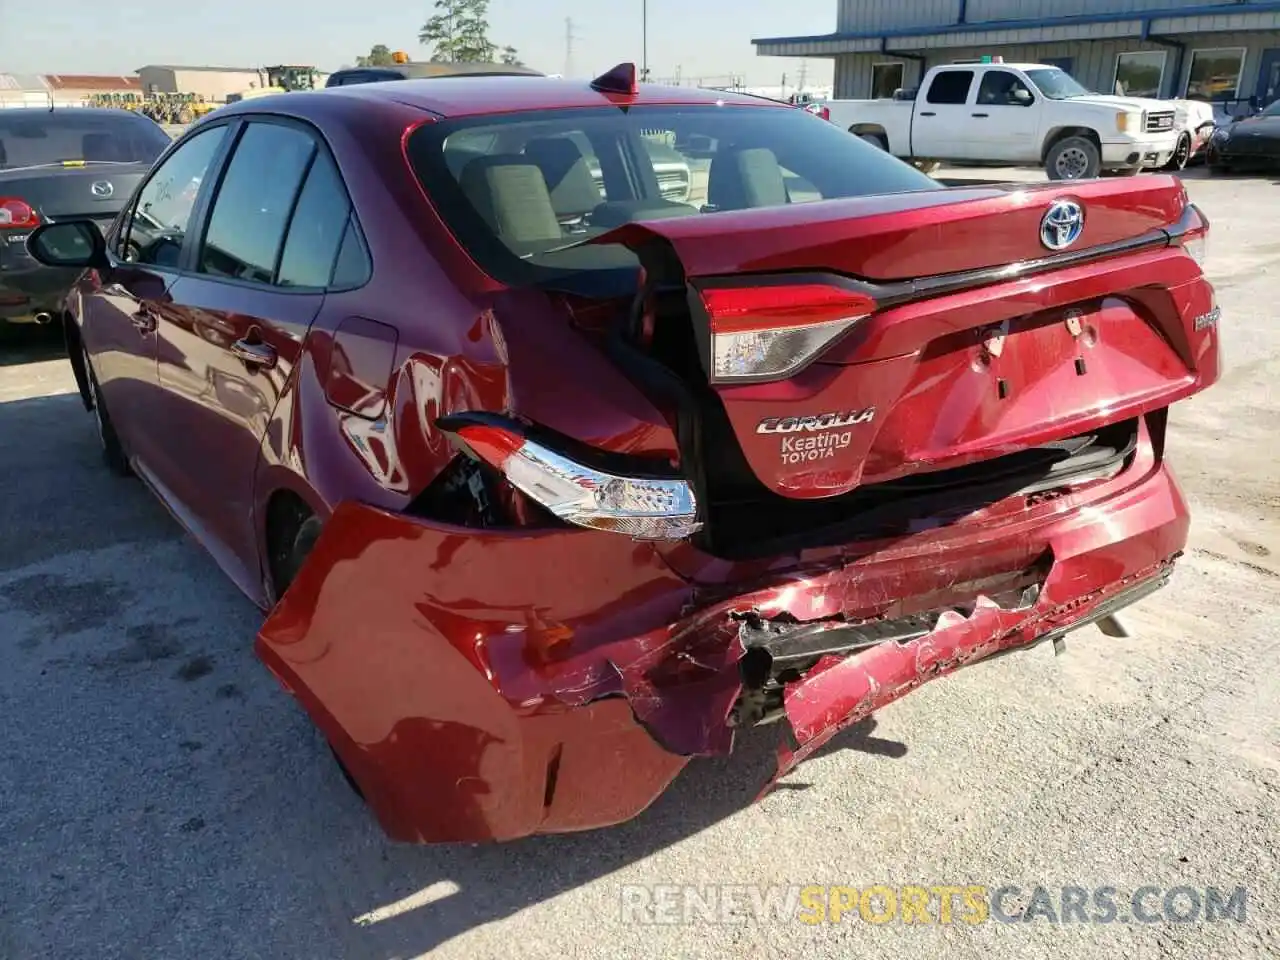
[[102, 189]]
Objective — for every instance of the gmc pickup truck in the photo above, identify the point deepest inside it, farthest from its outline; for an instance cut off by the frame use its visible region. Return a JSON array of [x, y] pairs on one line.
[[1018, 114]]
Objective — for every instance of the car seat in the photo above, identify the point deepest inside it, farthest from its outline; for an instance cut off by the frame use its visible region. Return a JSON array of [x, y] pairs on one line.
[[741, 179], [509, 192], [574, 192]]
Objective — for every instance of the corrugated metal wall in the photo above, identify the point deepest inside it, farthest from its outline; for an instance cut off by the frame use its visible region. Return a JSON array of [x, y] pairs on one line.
[[980, 10], [860, 15], [1094, 66]]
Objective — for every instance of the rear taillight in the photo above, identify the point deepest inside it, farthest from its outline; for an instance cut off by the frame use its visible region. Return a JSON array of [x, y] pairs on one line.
[[17, 214], [761, 333], [646, 507], [1195, 240]]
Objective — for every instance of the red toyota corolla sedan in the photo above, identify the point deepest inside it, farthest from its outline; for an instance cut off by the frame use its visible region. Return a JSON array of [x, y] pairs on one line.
[[566, 428]]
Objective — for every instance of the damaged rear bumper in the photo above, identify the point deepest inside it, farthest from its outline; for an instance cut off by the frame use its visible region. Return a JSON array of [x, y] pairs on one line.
[[491, 684]]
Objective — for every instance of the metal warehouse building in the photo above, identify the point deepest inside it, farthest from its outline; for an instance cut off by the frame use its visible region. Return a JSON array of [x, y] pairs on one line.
[[1204, 49], [212, 83]]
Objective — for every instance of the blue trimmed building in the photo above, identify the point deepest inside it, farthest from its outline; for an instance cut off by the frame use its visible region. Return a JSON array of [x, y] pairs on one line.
[[1205, 49]]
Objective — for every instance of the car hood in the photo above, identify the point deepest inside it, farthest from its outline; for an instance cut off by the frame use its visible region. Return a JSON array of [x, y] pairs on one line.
[[1268, 127], [1122, 103]]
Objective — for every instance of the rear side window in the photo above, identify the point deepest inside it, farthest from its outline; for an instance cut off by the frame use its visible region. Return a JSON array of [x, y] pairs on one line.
[[950, 87], [317, 229], [522, 192], [31, 137], [253, 204]]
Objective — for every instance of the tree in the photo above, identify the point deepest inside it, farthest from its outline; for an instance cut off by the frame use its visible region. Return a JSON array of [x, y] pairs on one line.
[[511, 57], [458, 32], [379, 56]]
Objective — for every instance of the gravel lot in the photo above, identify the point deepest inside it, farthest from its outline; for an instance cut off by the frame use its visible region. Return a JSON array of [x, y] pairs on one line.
[[161, 798]]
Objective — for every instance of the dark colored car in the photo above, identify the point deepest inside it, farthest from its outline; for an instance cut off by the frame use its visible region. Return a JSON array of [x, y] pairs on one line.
[[55, 164], [1249, 143], [547, 497], [424, 71]]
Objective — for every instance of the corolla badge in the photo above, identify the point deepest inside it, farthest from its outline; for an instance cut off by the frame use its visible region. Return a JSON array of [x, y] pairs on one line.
[[102, 189], [1061, 224]]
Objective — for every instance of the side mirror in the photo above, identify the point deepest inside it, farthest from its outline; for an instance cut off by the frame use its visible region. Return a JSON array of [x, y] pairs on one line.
[[68, 243]]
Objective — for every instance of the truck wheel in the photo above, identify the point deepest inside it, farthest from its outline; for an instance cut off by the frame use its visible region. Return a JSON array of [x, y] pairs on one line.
[[875, 140], [1181, 154], [1073, 158]]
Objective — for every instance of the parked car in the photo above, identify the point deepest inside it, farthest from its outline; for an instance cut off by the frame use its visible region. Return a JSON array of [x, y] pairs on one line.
[[55, 164], [1250, 143], [545, 504], [1195, 122], [1020, 114]]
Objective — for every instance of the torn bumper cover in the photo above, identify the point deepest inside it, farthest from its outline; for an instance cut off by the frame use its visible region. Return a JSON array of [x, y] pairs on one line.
[[491, 684]]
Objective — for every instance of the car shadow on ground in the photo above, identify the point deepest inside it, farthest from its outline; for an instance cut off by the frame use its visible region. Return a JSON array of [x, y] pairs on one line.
[[29, 343], [708, 792]]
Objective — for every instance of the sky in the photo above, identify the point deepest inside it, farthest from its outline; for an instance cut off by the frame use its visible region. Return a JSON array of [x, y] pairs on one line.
[[703, 38]]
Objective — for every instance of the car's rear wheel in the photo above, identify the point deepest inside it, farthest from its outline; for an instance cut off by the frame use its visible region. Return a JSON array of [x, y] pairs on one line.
[[292, 541], [1073, 158], [113, 454], [877, 141]]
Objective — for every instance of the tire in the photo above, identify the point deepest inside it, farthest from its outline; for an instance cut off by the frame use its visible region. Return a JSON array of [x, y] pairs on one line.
[[295, 544], [1073, 158], [1181, 154], [875, 140], [113, 454]]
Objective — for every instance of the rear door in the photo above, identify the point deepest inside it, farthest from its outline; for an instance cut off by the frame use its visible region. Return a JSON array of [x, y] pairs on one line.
[[941, 124], [241, 310]]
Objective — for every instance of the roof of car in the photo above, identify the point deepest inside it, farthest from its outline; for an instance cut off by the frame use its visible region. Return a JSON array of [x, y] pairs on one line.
[[470, 95]]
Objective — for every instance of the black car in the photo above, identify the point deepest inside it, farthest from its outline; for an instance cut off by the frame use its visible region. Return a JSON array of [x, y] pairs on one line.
[[57, 164], [425, 71], [1248, 143]]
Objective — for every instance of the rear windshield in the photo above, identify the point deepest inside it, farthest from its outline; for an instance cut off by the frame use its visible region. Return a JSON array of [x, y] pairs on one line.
[[521, 190], [32, 137]]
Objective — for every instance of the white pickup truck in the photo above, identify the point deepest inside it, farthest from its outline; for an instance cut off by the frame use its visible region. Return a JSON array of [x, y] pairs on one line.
[[1023, 114]]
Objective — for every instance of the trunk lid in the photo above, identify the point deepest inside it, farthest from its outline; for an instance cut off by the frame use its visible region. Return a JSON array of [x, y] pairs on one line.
[[95, 190], [936, 331]]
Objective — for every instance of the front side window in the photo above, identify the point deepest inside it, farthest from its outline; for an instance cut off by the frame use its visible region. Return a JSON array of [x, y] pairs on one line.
[[37, 138], [885, 79], [1140, 74], [157, 225], [251, 210], [524, 192], [1000, 88], [1215, 74]]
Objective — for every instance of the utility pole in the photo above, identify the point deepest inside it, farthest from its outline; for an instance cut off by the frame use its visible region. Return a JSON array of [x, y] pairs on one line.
[[804, 73], [568, 46], [644, 40], [679, 73]]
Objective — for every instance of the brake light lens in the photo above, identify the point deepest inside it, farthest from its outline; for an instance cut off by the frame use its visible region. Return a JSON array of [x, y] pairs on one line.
[[17, 214], [1196, 240], [641, 507], [763, 333]]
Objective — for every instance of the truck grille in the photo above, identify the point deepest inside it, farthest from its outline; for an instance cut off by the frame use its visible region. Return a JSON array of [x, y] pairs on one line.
[[674, 185], [1160, 122]]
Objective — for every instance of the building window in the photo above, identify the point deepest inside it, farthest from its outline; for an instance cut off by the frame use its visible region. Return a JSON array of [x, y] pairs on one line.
[[1140, 74], [885, 79], [1215, 74]]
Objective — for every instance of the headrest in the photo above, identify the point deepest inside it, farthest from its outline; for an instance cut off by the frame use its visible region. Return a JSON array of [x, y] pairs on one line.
[[509, 192]]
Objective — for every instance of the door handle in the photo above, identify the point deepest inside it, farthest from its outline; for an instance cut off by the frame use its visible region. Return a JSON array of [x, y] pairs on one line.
[[254, 354], [979, 114], [928, 113]]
